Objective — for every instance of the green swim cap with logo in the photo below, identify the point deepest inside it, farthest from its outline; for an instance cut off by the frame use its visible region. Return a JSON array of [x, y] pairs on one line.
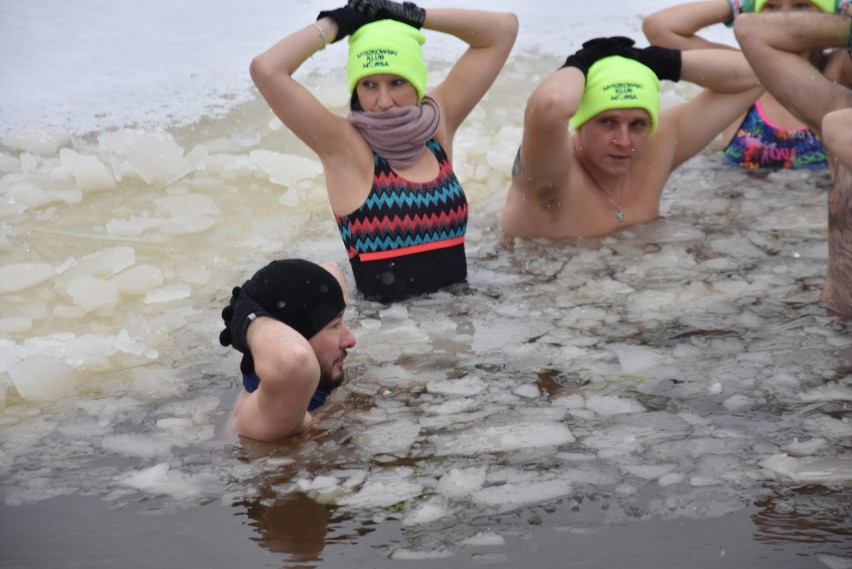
[[390, 47], [617, 82]]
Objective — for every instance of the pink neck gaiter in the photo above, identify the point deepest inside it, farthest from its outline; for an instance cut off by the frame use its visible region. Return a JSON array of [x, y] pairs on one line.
[[400, 133]]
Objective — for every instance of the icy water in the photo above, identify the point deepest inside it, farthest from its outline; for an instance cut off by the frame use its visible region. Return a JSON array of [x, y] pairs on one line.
[[672, 396]]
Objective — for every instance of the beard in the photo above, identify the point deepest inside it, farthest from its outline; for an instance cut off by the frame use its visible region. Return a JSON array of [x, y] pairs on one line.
[[329, 381]]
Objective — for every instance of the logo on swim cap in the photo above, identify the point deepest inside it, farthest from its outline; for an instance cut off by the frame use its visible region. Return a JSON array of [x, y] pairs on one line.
[[617, 82], [390, 47]]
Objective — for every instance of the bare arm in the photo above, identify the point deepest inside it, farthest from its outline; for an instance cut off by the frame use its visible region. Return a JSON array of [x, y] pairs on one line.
[[772, 43], [490, 36], [730, 88], [272, 72], [676, 27], [289, 373], [837, 135], [546, 147]]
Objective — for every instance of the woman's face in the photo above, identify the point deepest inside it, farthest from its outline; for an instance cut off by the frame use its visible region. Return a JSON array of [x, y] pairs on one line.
[[377, 93], [788, 5]]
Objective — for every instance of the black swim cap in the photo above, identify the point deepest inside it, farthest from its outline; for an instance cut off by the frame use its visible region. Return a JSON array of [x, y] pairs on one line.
[[299, 293]]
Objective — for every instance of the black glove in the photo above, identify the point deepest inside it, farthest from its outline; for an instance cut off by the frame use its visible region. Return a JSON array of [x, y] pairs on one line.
[[240, 312], [347, 20], [599, 48], [405, 12], [666, 63]]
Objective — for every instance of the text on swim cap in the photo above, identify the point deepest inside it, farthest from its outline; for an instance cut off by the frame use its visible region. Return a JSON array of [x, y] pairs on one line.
[[623, 91], [373, 58]]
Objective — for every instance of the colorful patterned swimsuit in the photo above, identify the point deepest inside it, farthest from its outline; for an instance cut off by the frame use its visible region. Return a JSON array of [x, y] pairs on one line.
[[407, 238], [760, 145]]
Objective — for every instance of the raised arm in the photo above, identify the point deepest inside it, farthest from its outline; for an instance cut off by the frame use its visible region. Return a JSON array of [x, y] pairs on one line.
[[272, 72], [268, 320], [490, 37], [676, 27], [546, 143], [837, 135], [290, 374], [730, 88], [546, 146], [772, 43]]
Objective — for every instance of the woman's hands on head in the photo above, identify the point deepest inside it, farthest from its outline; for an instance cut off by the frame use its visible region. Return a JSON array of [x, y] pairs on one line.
[[348, 21], [405, 12]]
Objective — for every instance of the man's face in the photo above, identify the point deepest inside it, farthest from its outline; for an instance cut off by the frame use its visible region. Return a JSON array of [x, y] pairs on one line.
[[614, 140], [330, 345]]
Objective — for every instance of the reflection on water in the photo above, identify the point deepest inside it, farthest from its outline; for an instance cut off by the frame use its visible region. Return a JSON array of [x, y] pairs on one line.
[[685, 369], [294, 524], [808, 514]]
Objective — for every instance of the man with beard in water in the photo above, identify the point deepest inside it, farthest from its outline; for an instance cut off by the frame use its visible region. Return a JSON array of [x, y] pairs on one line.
[[287, 321], [773, 44], [609, 171]]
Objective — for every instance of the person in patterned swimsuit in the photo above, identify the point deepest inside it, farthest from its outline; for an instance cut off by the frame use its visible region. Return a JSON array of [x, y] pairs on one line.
[[768, 137], [401, 211]]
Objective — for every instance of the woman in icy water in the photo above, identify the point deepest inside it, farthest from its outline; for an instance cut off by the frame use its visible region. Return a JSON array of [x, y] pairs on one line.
[[400, 209], [768, 136]]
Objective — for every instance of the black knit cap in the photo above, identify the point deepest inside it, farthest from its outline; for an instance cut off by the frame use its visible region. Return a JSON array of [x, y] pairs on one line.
[[299, 293]]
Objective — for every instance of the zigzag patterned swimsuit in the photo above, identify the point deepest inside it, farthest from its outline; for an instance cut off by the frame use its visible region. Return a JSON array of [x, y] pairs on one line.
[[407, 238]]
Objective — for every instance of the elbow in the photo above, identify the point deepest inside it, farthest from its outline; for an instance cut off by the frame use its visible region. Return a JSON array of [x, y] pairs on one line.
[[836, 130], [255, 69], [296, 366], [304, 366], [303, 358], [659, 31], [546, 107], [512, 26], [260, 70], [746, 29], [503, 30], [652, 30]]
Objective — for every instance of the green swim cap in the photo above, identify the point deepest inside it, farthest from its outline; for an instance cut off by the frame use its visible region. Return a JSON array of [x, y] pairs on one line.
[[617, 82], [387, 46], [824, 5]]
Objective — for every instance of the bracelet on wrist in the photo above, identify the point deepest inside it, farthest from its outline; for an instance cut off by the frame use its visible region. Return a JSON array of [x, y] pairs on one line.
[[321, 33], [736, 8]]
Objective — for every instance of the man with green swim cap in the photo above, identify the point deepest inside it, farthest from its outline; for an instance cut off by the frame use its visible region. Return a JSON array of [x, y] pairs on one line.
[[772, 43], [607, 171]]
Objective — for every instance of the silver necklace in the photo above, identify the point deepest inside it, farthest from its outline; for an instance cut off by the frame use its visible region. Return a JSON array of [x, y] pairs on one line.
[[619, 213]]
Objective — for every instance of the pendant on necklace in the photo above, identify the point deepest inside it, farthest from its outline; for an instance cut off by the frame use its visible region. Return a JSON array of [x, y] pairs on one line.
[[619, 215]]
